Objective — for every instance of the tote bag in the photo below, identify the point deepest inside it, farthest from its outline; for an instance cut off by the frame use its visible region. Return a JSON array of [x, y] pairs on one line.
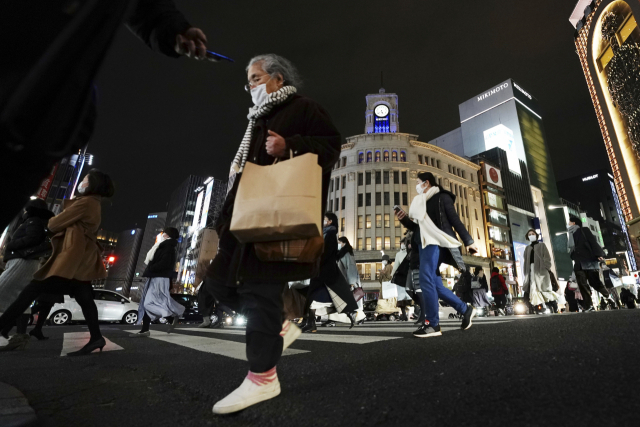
[[389, 290]]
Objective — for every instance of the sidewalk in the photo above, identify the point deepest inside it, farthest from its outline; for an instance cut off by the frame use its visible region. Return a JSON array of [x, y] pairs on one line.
[[14, 408]]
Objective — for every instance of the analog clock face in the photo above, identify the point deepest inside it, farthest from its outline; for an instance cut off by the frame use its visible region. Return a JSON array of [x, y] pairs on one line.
[[381, 111]]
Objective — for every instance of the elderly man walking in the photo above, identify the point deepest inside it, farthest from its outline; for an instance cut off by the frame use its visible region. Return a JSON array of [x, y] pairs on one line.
[[280, 122]]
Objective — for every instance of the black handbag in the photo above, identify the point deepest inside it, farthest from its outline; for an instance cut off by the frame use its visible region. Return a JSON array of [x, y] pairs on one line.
[[43, 250]]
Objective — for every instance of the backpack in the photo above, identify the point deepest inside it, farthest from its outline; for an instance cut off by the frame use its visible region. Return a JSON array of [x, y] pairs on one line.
[[464, 283], [496, 286]]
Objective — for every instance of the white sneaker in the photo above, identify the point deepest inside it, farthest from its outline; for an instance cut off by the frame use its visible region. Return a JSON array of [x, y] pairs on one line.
[[290, 332], [206, 322], [254, 389]]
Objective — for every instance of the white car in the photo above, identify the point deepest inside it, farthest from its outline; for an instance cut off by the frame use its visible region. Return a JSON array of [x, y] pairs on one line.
[[112, 307]]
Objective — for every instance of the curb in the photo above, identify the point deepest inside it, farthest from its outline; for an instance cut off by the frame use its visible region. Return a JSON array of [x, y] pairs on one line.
[[14, 408]]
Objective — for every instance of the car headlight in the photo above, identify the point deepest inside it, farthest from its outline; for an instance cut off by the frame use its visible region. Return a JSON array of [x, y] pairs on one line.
[[520, 308], [229, 320], [240, 320]]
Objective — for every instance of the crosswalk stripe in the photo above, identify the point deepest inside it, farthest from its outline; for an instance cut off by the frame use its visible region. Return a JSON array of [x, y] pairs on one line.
[[74, 341], [345, 339], [226, 348]]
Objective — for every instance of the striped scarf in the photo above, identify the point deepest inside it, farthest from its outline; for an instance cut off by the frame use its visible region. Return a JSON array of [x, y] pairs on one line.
[[255, 112]]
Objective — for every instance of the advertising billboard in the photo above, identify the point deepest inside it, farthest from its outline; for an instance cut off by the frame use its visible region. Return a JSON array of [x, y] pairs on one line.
[[205, 207], [502, 137], [493, 175], [196, 216]]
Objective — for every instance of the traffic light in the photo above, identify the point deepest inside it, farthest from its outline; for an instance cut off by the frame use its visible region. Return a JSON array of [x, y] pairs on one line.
[[111, 259]]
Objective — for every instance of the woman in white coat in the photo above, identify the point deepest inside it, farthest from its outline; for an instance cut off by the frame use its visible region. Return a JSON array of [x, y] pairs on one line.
[[537, 264]]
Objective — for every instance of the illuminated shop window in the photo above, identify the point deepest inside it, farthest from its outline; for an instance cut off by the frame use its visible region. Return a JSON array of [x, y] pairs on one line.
[[360, 157], [386, 156], [377, 156], [394, 156], [369, 156], [403, 156]]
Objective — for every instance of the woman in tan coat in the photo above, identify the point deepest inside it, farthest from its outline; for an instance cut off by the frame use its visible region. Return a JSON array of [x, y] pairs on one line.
[[76, 258]]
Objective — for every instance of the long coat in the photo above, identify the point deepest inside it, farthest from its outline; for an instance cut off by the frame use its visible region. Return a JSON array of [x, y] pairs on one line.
[[76, 254], [306, 128], [538, 281], [347, 266], [163, 263]]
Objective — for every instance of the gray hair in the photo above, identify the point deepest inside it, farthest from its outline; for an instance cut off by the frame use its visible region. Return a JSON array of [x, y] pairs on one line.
[[273, 64]]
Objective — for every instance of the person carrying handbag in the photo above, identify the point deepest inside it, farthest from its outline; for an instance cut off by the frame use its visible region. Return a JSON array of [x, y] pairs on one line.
[[349, 269], [585, 252]]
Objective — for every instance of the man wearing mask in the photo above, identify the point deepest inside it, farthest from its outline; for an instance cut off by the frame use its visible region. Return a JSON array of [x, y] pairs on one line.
[[585, 253], [435, 220]]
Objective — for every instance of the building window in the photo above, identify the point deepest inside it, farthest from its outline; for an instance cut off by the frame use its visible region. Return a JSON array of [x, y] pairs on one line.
[[405, 199], [360, 200], [476, 214], [330, 205], [404, 177], [337, 165], [368, 199], [449, 167], [397, 243], [359, 244], [420, 158], [344, 182], [387, 202], [369, 156], [426, 160], [360, 179], [385, 177], [471, 176], [360, 222], [378, 199], [466, 208], [368, 243], [465, 193], [378, 243], [462, 211], [396, 198], [438, 164], [368, 178], [478, 233], [396, 177], [459, 173], [378, 220], [387, 221], [330, 186], [343, 202], [378, 158], [368, 222], [337, 183], [396, 222], [337, 205], [440, 182], [360, 157], [344, 161], [387, 243], [403, 156], [342, 222], [386, 156], [378, 177], [394, 156], [464, 175]]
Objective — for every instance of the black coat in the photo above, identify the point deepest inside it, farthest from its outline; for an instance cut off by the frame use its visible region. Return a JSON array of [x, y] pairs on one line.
[[307, 128], [163, 263], [442, 211], [32, 234], [586, 246]]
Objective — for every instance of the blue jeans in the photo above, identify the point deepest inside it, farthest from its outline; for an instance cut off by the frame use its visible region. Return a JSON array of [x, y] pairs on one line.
[[432, 287]]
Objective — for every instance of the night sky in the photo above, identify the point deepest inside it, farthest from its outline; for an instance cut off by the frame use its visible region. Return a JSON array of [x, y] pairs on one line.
[[161, 119]]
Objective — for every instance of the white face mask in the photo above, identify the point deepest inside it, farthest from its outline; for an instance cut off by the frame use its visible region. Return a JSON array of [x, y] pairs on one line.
[[339, 245], [533, 238], [420, 188], [403, 247], [82, 188], [384, 263], [259, 94]]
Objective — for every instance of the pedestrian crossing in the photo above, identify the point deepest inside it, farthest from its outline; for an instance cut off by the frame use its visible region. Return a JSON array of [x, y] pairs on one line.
[[213, 340]]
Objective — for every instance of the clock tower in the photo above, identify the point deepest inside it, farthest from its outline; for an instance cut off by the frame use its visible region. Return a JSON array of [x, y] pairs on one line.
[[382, 113]]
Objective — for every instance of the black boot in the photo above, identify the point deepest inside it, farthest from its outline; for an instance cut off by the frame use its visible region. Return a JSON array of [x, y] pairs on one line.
[[310, 325]]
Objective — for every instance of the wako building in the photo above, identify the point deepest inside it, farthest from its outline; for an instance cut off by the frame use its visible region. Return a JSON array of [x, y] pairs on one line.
[[378, 170]]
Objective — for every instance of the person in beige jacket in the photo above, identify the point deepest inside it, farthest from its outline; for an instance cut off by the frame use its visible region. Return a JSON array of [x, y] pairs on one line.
[[76, 258]]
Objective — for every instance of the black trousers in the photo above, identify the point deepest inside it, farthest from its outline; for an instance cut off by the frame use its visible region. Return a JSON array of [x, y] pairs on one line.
[[261, 304], [586, 278], [501, 301], [81, 291]]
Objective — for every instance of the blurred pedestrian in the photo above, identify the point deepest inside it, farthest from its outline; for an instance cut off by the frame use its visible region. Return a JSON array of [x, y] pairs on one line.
[[47, 105], [280, 122], [76, 259], [412, 241], [537, 286], [22, 254], [585, 252], [479, 288], [433, 209], [608, 277], [628, 298], [499, 290], [348, 267], [156, 301], [399, 275]]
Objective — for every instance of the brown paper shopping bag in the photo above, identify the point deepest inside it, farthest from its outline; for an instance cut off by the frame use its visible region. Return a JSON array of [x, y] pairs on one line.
[[282, 201]]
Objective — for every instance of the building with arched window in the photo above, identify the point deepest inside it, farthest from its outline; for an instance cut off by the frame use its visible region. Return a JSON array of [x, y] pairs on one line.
[[362, 193], [607, 39]]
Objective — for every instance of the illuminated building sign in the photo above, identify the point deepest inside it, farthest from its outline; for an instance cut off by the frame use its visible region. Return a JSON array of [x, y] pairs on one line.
[[524, 92], [205, 207], [196, 216], [590, 177], [502, 137], [152, 216], [632, 258], [493, 175], [493, 91]]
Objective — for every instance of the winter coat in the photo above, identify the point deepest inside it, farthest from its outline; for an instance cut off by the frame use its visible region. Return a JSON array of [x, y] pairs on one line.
[[347, 266], [401, 268], [76, 254], [32, 234], [306, 128], [385, 274], [541, 267], [504, 289], [442, 211], [586, 248], [163, 263], [414, 251]]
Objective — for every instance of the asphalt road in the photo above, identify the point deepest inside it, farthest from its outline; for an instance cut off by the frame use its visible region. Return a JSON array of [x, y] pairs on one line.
[[568, 369]]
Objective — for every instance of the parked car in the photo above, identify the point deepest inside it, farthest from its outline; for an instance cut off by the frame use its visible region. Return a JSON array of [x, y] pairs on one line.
[[112, 307]]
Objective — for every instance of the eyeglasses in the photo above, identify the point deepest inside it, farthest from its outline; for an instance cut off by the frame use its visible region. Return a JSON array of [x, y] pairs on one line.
[[254, 82]]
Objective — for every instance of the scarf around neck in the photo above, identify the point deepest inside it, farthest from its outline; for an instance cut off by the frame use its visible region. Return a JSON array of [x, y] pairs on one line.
[[571, 244], [153, 250], [255, 112], [430, 234]]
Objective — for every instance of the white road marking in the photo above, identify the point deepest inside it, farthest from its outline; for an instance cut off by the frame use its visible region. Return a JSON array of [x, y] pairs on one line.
[[345, 339], [231, 349], [74, 341]]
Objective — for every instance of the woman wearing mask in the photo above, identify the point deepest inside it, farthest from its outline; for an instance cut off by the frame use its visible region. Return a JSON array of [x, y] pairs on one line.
[[156, 301], [331, 278], [479, 293], [537, 281], [22, 255], [76, 258], [347, 266], [399, 275]]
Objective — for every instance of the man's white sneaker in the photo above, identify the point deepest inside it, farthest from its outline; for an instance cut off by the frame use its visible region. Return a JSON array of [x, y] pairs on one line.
[[290, 332], [254, 389], [206, 322]]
